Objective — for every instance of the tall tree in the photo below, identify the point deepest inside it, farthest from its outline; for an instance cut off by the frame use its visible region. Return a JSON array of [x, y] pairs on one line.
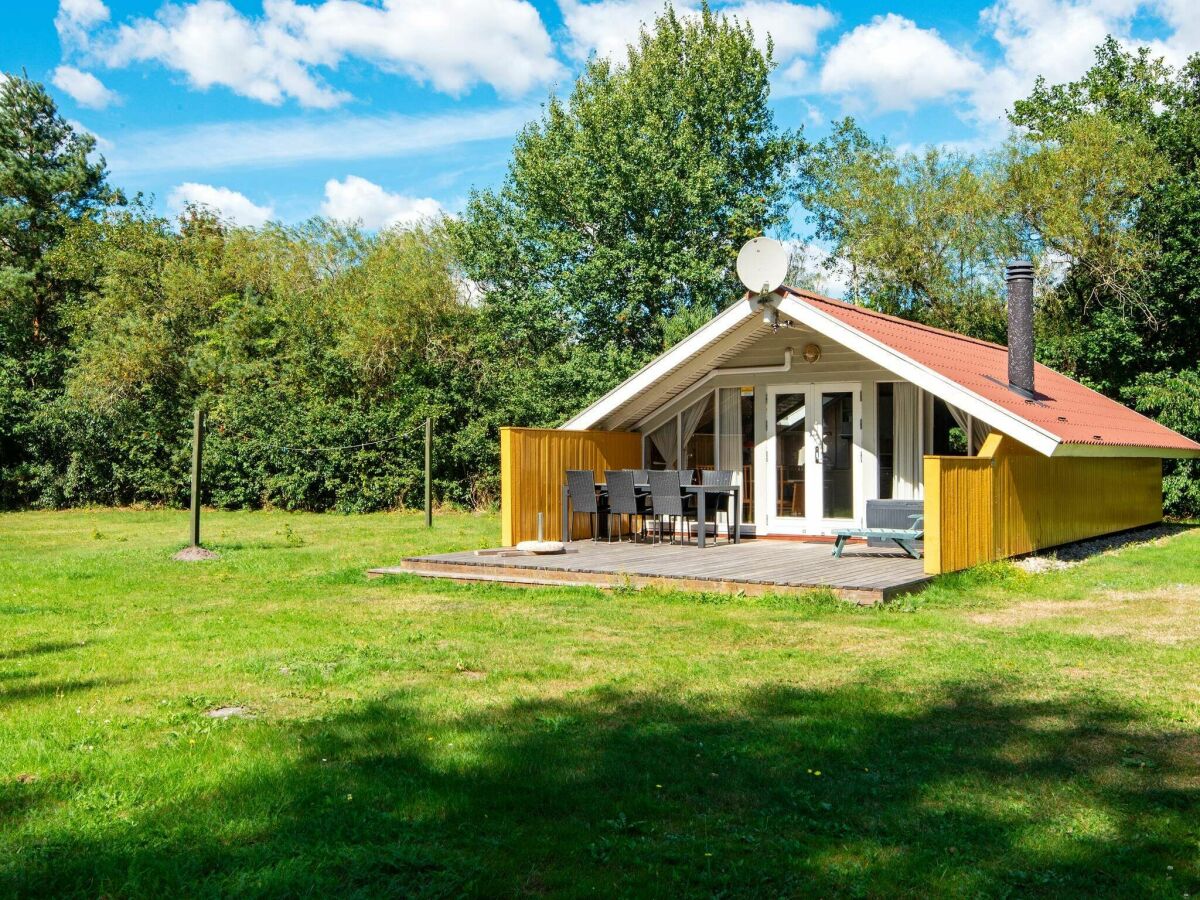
[[627, 203], [922, 235], [1078, 198], [47, 181], [1151, 110], [48, 184]]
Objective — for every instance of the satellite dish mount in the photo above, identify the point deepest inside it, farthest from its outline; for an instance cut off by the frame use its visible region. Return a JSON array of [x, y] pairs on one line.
[[762, 265]]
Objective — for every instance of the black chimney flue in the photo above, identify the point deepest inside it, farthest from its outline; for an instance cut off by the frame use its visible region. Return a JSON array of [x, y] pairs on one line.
[[1019, 277]]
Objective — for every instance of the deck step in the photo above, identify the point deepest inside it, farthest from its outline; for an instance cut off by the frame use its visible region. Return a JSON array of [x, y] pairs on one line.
[[782, 577]]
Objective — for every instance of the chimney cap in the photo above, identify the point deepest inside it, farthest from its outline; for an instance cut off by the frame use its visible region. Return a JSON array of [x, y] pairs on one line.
[[1018, 269]]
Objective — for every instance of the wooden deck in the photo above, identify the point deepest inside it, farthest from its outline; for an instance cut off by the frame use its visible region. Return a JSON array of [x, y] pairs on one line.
[[864, 575]]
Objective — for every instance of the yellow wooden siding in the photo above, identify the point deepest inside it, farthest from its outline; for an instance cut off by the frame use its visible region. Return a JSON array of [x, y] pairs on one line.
[[1023, 501], [533, 466], [1043, 502], [958, 512]]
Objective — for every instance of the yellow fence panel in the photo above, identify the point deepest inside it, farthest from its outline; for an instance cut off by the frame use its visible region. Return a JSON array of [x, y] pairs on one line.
[[1011, 500], [958, 513], [533, 469]]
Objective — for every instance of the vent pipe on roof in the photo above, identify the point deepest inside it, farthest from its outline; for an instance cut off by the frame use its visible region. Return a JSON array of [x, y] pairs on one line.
[[1019, 277]]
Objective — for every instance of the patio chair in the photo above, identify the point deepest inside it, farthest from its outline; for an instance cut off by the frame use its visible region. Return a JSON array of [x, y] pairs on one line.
[[584, 498], [686, 477], [719, 478], [624, 500], [640, 476], [667, 498]]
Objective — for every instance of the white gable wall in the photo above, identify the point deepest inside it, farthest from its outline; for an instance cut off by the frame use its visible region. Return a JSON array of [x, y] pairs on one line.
[[764, 348]]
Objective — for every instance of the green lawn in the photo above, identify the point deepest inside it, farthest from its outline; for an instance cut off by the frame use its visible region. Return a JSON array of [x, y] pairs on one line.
[[1001, 735]]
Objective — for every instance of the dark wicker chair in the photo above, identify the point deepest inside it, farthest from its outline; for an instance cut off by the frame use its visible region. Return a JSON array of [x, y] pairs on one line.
[[624, 500], [719, 478], [581, 490], [666, 496]]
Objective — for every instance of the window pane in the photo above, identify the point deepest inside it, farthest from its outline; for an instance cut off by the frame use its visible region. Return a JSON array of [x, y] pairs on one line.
[[747, 454], [791, 432], [885, 442], [837, 454]]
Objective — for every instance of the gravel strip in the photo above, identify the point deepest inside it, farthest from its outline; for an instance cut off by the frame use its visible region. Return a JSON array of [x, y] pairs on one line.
[[1070, 555]]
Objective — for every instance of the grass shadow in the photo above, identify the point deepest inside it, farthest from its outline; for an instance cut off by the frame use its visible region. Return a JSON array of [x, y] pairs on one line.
[[41, 649], [776, 791], [40, 690]]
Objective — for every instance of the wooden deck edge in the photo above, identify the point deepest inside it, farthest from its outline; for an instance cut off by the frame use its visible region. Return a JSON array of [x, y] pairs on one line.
[[528, 576]]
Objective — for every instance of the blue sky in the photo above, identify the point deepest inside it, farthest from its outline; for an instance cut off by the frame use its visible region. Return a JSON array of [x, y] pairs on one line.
[[383, 110]]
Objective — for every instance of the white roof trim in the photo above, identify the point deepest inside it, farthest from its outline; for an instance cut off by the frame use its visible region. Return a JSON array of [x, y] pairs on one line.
[[644, 378], [728, 321], [923, 377]]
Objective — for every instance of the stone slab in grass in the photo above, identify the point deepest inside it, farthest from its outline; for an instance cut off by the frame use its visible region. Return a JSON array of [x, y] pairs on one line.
[[227, 712], [194, 554]]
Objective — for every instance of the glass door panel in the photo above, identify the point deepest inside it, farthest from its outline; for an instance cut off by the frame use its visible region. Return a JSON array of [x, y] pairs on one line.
[[791, 439], [836, 454]]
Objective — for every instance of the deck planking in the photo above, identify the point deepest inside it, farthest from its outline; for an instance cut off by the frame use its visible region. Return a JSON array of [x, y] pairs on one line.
[[863, 574]]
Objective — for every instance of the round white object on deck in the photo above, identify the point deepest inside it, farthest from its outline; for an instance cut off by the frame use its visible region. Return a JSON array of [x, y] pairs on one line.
[[541, 547], [762, 264]]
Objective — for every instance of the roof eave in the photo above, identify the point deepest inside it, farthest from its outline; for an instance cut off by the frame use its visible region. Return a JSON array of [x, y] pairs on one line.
[[716, 328], [1123, 451], [923, 377]]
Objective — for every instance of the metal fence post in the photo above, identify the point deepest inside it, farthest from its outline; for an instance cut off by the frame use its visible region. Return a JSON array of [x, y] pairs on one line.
[[428, 472], [197, 461]]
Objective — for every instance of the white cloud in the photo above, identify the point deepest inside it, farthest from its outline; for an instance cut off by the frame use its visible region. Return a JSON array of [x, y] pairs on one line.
[[1053, 38], [228, 204], [211, 43], [898, 65], [828, 276], [359, 200], [452, 45], [1182, 18], [225, 145], [76, 17], [82, 12], [793, 27], [83, 87], [895, 65], [606, 27]]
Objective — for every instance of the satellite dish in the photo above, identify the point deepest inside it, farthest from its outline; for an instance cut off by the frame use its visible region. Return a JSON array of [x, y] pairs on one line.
[[762, 264]]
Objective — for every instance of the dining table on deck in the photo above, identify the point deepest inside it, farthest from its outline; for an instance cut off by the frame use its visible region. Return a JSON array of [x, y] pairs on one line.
[[701, 491]]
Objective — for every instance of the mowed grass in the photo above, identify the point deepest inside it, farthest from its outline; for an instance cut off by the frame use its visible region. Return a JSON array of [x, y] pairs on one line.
[[1001, 735]]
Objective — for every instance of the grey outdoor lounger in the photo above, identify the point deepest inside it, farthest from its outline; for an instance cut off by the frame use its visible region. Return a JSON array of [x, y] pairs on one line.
[[906, 538]]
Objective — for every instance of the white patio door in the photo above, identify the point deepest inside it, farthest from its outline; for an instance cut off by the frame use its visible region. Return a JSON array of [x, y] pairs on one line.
[[813, 457]]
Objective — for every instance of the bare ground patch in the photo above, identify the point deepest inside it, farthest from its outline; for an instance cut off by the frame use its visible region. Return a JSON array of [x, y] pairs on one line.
[[1165, 616]]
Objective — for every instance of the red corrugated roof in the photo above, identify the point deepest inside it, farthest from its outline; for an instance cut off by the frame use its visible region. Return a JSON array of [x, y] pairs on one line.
[[1065, 408]]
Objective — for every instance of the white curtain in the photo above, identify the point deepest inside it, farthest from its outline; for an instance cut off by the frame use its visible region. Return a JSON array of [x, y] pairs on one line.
[[663, 438], [907, 476], [975, 430], [729, 450], [963, 421], [979, 432], [691, 418]]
